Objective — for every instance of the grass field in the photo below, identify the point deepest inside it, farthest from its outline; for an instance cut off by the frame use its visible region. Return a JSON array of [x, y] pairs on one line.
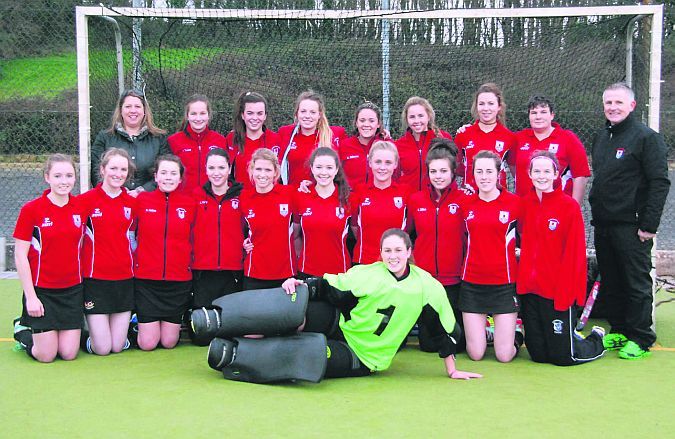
[[175, 394]]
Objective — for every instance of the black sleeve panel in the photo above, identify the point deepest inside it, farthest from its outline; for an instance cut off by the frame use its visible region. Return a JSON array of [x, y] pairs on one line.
[[447, 342], [320, 289]]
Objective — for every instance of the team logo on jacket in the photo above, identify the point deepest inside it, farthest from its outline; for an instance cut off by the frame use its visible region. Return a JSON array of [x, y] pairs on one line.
[[366, 202], [96, 213], [469, 145], [503, 216], [283, 209], [619, 152], [275, 149], [235, 203], [470, 215], [89, 304], [349, 157], [421, 209], [553, 224], [340, 212], [250, 214], [553, 148], [181, 212], [525, 147], [557, 326], [307, 212], [77, 220], [452, 208], [47, 222], [127, 212], [499, 146], [398, 202]]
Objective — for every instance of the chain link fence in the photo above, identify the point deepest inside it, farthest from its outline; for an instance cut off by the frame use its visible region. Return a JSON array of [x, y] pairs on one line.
[[38, 79]]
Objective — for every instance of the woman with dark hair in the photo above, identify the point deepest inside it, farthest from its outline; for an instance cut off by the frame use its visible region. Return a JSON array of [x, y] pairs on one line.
[[249, 132], [163, 282], [194, 141], [133, 130]]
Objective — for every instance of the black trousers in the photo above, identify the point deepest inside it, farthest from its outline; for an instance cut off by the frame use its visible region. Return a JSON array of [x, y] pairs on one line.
[[625, 264], [549, 334], [427, 342]]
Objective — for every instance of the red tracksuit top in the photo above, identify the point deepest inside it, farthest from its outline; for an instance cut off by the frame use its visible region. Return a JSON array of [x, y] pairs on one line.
[[440, 242], [301, 147], [269, 218], [164, 232], [354, 158], [192, 149], [218, 234], [106, 250], [553, 249], [412, 169], [500, 141], [564, 144], [374, 211], [491, 239], [324, 225], [240, 159], [55, 234]]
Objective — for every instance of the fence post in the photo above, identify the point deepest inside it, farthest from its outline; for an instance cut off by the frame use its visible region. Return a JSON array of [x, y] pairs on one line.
[[385, 67], [136, 42]]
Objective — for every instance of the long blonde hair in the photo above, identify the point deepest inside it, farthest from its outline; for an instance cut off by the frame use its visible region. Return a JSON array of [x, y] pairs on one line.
[[324, 132]]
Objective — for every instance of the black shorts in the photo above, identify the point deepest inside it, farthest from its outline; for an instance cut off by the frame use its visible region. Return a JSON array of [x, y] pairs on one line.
[[108, 296], [252, 283], [209, 285], [161, 300], [488, 299], [63, 309]]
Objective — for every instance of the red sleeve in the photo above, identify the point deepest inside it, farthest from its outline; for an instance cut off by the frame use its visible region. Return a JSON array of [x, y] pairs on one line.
[[25, 223], [172, 141], [572, 285], [577, 158]]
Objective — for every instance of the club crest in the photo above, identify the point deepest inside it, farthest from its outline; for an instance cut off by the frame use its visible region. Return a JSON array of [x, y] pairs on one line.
[[283, 209], [557, 326], [77, 220], [235, 203], [499, 146], [127, 212], [181, 212], [503, 216], [620, 152], [398, 202], [340, 212], [452, 208], [553, 148], [275, 149], [553, 224]]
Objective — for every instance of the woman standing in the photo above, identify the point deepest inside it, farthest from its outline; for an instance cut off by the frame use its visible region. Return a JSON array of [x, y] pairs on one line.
[[490, 267], [194, 140], [133, 130], [378, 205], [249, 133], [47, 237], [354, 149], [268, 212], [163, 279], [107, 261], [418, 120], [552, 271], [435, 216], [488, 133], [310, 130]]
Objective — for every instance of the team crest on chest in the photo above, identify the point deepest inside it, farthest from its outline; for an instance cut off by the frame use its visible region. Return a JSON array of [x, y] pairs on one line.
[[340, 212], [620, 152], [275, 150], [127, 212], [499, 146], [503, 216], [181, 213], [235, 203], [452, 208], [77, 220], [553, 148], [283, 209], [398, 202], [553, 224]]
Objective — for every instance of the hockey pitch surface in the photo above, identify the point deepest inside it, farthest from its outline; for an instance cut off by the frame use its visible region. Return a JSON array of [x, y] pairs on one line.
[[173, 393]]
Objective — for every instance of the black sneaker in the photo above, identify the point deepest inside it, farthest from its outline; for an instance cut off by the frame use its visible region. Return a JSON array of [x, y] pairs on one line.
[[22, 335], [221, 353]]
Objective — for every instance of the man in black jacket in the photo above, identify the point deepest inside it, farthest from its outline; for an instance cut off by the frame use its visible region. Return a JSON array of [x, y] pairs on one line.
[[630, 186]]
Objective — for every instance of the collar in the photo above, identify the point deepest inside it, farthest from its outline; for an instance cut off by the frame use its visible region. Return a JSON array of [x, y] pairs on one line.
[[621, 126], [194, 135]]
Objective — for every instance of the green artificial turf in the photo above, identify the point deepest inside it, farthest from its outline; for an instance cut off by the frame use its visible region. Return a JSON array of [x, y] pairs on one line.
[[173, 393]]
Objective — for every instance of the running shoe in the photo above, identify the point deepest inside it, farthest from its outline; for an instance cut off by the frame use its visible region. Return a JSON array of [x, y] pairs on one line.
[[614, 341], [633, 351], [22, 335]]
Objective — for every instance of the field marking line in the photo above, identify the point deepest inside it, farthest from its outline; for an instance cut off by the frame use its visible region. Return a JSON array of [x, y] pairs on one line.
[[6, 339]]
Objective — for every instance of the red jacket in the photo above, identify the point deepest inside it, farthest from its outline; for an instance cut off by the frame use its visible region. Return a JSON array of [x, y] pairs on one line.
[[164, 230], [439, 246], [553, 249], [218, 235], [354, 158], [240, 159], [192, 149], [412, 169]]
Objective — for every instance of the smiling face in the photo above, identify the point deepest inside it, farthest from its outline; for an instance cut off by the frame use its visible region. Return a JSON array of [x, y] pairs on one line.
[[198, 116], [367, 123], [486, 174], [543, 174], [440, 174], [383, 163], [541, 118], [263, 175], [308, 114], [167, 176], [324, 170], [217, 171], [61, 178], [133, 112], [618, 104], [418, 119], [487, 105], [395, 254], [254, 116], [114, 174]]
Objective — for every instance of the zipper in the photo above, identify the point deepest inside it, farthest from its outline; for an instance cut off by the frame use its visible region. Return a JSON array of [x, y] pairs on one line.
[[436, 244], [220, 204], [166, 233]]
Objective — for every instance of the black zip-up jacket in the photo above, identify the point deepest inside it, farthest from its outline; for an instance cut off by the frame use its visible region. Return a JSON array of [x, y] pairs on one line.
[[630, 175]]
